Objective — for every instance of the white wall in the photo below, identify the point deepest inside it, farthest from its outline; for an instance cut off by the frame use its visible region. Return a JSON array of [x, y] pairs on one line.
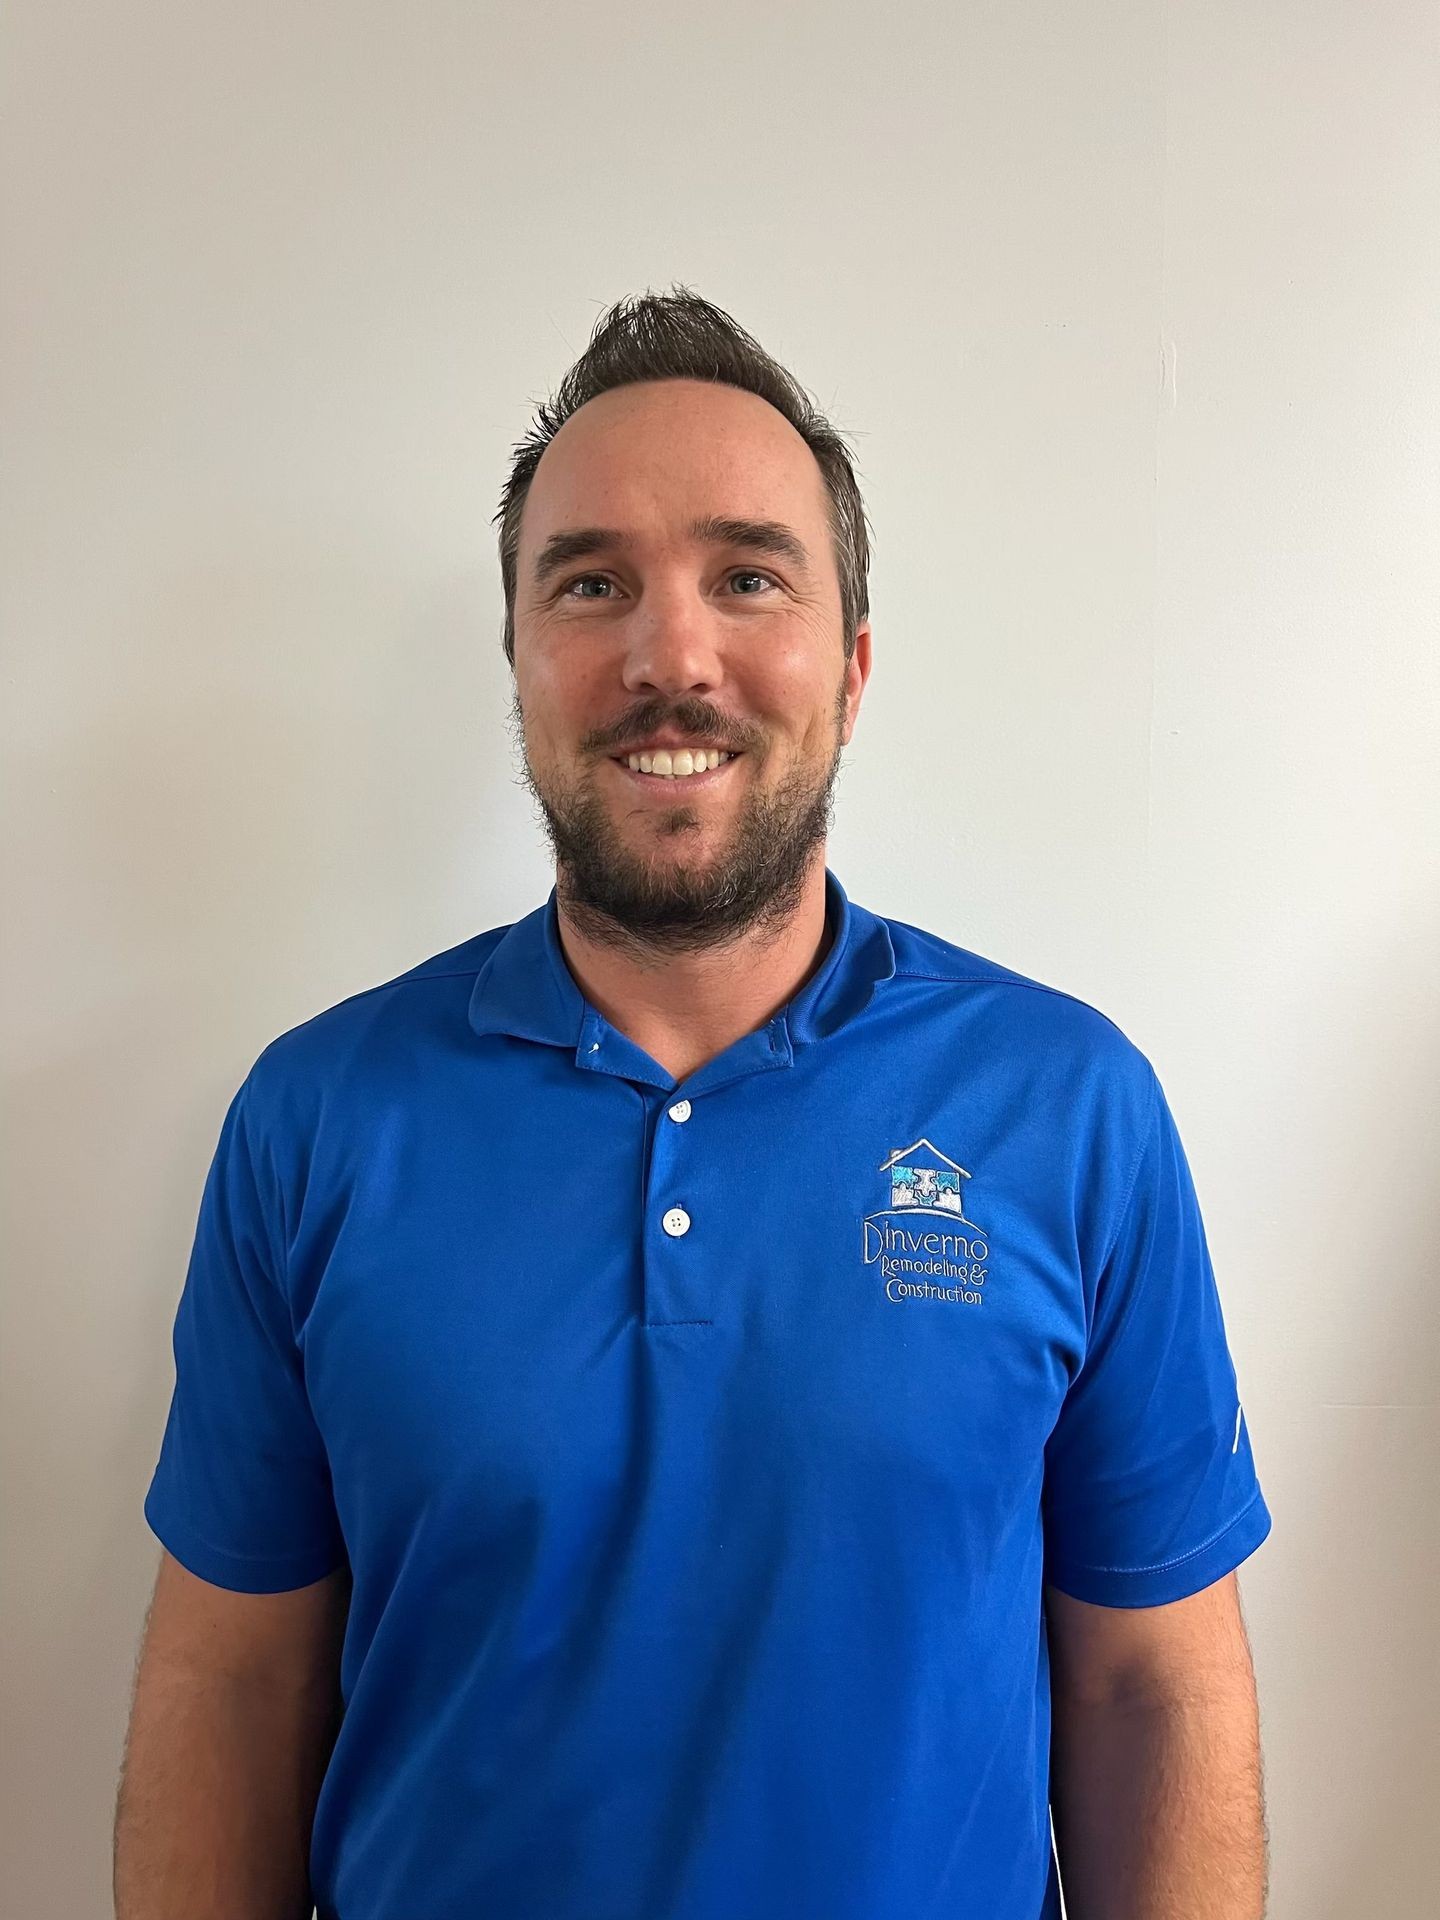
[[1129, 309]]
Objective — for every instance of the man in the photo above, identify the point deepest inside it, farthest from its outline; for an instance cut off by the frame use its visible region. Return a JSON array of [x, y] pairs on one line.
[[706, 1403]]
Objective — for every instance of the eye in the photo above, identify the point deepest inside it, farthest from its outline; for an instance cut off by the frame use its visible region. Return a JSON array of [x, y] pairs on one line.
[[750, 573], [580, 580]]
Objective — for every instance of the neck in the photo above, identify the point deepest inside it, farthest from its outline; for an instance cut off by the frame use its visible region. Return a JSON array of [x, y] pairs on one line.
[[685, 1008]]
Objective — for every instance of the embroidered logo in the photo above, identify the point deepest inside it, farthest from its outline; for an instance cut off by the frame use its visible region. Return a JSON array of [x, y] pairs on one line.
[[926, 1185]]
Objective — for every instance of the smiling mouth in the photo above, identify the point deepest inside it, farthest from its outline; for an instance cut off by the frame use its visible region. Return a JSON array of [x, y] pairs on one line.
[[683, 768]]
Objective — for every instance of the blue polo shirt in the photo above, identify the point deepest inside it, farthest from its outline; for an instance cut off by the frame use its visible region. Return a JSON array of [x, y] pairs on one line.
[[700, 1450]]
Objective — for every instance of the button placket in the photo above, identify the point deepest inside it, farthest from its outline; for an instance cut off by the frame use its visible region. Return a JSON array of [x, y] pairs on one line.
[[674, 1281]]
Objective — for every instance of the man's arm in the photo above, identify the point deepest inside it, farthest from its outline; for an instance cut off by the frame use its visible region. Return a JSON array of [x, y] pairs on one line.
[[1156, 1779], [235, 1713]]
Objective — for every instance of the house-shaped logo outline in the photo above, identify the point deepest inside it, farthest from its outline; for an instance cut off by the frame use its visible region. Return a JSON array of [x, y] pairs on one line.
[[942, 1213]]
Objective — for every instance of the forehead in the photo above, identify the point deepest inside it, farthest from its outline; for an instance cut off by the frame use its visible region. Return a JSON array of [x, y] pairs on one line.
[[652, 455]]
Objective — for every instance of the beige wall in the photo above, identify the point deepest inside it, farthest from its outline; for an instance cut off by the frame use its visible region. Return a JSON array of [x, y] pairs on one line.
[[1130, 310]]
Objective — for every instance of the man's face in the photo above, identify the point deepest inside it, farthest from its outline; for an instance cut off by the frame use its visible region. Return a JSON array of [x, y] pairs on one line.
[[677, 634]]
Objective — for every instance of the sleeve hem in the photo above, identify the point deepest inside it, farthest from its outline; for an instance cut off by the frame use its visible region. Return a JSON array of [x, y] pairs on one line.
[[240, 1573], [1175, 1579]]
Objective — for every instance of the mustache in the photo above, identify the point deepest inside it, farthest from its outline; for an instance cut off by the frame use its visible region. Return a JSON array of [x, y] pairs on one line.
[[696, 719]]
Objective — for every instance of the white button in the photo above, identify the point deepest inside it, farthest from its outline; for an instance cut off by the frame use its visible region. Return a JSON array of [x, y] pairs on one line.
[[676, 1221], [680, 1110]]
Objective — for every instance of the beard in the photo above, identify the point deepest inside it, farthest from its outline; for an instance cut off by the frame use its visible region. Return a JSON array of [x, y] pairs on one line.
[[662, 902]]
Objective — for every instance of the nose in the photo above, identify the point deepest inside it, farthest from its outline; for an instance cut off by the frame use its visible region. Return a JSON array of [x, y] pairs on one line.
[[672, 646]]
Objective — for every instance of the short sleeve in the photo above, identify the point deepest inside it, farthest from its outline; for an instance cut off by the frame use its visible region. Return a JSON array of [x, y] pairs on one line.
[[1150, 1488], [241, 1492]]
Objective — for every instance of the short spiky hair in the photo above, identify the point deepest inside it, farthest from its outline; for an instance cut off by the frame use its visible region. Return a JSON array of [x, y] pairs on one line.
[[679, 336]]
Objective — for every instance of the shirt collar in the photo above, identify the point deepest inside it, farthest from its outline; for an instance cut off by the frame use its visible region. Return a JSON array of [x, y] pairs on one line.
[[526, 988]]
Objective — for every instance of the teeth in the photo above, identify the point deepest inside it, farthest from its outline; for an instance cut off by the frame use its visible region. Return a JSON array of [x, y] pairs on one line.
[[675, 766]]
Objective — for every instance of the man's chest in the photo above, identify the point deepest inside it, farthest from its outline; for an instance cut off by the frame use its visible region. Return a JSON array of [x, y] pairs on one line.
[[528, 1312]]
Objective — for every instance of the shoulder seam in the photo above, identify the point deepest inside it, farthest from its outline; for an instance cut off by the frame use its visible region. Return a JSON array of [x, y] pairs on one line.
[[1122, 1215], [277, 1266], [382, 986], [413, 979], [990, 980], [1150, 1107]]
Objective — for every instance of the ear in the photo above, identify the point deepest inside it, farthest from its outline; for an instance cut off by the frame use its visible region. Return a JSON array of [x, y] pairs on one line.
[[857, 672]]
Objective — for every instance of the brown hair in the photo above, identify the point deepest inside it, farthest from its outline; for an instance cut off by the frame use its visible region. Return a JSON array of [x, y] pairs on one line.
[[679, 336]]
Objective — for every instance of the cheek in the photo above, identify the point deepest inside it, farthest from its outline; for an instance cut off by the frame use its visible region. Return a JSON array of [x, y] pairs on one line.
[[782, 689], [564, 700]]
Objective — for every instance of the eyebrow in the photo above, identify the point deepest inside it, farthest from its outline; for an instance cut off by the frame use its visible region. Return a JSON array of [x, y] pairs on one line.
[[715, 530]]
